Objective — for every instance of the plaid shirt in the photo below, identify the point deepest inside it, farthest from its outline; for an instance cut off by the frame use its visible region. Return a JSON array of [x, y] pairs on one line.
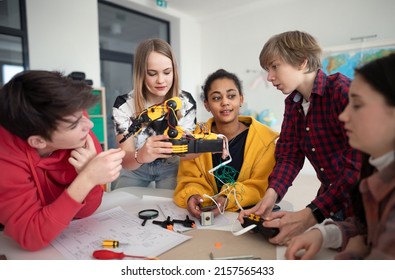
[[319, 136]]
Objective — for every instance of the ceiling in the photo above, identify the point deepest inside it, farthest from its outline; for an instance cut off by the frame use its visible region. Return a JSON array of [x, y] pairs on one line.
[[207, 8]]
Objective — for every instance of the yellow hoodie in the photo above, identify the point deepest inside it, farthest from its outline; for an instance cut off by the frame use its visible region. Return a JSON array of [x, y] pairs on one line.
[[258, 162]]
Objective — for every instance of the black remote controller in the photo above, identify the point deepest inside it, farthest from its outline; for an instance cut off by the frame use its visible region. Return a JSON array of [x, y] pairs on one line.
[[256, 220]]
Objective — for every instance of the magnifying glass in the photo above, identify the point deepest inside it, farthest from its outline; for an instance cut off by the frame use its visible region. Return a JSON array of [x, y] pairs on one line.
[[148, 214]]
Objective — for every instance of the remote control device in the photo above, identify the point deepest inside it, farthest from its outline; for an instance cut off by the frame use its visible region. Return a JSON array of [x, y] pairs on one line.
[[259, 228]]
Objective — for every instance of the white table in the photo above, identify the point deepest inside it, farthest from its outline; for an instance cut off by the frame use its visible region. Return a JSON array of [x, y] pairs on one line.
[[12, 250]]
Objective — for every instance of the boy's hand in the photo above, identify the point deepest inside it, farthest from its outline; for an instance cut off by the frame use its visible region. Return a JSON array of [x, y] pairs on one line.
[[101, 169], [81, 156]]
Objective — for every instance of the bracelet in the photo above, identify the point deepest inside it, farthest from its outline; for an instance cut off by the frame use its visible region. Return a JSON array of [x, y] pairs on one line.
[[316, 213], [135, 157]]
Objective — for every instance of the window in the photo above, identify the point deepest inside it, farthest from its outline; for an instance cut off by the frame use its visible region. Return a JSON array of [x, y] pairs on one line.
[[13, 39], [120, 31]]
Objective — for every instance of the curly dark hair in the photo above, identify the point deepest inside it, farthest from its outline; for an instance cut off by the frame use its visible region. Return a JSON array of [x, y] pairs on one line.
[[220, 74]]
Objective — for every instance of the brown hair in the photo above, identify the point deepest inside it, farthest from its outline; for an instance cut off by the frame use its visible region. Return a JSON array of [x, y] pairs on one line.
[[140, 69], [34, 102], [293, 47]]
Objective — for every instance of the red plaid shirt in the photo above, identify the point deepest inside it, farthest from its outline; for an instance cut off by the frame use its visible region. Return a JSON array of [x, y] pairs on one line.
[[320, 137]]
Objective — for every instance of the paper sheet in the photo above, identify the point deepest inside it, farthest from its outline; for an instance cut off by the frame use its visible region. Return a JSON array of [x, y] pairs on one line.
[[113, 199], [156, 198], [84, 236]]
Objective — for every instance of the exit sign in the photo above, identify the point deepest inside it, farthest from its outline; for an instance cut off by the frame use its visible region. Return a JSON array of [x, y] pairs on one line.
[[161, 3]]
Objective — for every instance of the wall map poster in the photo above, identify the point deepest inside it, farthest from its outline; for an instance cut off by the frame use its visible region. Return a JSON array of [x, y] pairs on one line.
[[346, 59]]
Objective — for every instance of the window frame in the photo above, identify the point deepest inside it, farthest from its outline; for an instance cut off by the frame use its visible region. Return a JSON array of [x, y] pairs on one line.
[[20, 33]]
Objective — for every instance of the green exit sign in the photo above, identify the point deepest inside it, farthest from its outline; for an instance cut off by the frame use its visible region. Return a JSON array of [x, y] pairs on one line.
[[161, 3]]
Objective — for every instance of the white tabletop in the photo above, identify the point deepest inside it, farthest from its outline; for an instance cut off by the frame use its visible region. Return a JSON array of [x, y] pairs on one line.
[[130, 199]]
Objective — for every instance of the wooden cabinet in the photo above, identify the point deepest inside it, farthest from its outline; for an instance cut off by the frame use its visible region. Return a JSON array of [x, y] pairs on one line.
[[97, 114]]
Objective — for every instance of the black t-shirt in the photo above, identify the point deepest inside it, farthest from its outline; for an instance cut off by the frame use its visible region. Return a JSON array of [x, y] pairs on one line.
[[229, 173]]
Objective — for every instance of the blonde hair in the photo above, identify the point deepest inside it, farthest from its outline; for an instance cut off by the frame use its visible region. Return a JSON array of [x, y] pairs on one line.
[[143, 50], [293, 47]]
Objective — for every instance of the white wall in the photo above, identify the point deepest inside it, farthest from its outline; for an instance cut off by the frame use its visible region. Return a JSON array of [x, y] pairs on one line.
[[235, 41], [185, 40], [63, 35]]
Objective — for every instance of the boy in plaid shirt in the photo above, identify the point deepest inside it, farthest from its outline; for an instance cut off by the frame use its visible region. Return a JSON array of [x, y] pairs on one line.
[[311, 128]]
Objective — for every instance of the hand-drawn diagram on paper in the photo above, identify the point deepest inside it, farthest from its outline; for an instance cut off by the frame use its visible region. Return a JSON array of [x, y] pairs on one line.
[[84, 236]]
